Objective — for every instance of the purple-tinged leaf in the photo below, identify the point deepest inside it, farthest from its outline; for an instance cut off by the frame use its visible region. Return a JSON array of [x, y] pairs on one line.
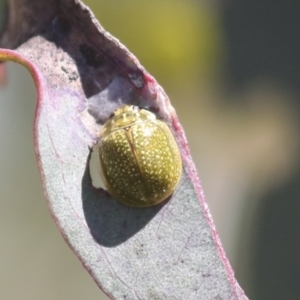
[[82, 74], [3, 73]]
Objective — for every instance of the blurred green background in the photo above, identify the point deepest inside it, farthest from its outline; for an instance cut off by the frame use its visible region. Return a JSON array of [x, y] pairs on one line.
[[231, 71]]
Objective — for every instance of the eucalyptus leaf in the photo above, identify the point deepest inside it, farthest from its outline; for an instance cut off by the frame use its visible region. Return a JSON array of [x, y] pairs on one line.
[[82, 74]]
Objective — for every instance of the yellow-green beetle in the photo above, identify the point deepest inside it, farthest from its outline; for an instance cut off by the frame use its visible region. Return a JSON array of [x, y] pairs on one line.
[[139, 157]]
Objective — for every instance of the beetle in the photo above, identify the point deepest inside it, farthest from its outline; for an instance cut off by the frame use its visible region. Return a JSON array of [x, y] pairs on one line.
[[139, 158]]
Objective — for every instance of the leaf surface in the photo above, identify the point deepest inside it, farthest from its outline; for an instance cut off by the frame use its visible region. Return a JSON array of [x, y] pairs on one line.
[[82, 74]]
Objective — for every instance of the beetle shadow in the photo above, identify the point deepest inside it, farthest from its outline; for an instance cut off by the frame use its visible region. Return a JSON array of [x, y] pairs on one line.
[[110, 222]]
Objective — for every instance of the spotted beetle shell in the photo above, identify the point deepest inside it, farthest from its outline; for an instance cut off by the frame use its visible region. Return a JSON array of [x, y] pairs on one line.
[[139, 157]]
